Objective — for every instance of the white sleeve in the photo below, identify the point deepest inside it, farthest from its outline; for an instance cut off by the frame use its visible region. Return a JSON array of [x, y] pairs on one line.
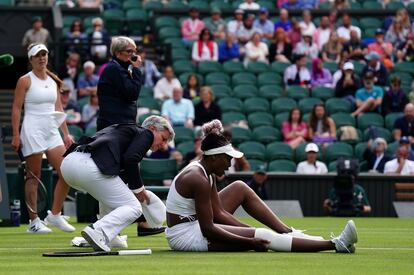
[[324, 169], [299, 169], [215, 54], [158, 89], [387, 167], [194, 54]]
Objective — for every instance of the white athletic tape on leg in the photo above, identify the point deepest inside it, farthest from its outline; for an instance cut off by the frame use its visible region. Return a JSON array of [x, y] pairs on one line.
[[155, 211], [278, 242]]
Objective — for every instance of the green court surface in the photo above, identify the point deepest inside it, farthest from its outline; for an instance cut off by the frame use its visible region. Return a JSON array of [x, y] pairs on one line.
[[385, 246]]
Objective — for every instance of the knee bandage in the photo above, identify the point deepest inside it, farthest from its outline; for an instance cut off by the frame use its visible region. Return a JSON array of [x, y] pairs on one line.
[[277, 242]]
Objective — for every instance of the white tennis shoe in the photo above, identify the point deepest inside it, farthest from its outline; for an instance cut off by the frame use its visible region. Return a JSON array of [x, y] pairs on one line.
[[59, 221], [37, 226], [117, 242], [296, 233], [344, 243], [96, 238]]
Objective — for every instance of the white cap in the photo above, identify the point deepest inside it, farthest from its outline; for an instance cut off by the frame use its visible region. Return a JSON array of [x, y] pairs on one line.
[[348, 66], [227, 149], [36, 49], [89, 64], [307, 33], [311, 147]]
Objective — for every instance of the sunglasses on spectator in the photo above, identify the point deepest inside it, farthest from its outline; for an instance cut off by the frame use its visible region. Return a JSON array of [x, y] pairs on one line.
[[130, 51]]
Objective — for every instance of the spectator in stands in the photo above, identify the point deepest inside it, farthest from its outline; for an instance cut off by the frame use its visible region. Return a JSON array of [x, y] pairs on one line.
[[294, 34], [205, 49], [65, 3], [280, 50], [263, 24], [405, 18], [69, 73], [94, 4], [359, 200], [164, 88], [401, 165], [256, 50], [88, 82], [306, 25], [70, 107], [333, 18], [192, 27], [297, 73], [404, 126], [395, 99], [332, 50], [229, 50], [76, 38], [167, 152], [338, 74], [284, 21], [246, 31], [320, 76], [206, 110], [257, 183], [216, 24], [369, 97], [405, 142], [178, 110], [311, 165], [348, 84], [196, 154], [322, 33], [292, 5], [340, 5], [375, 155], [149, 70], [322, 129], [37, 34], [344, 31], [306, 46], [90, 112], [192, 87], [396, 34], [375, 66], [294, 130], [382, 48], [249, 5], [233, 26], [405, 52], [100, 39], [354, 49], [308, 4]]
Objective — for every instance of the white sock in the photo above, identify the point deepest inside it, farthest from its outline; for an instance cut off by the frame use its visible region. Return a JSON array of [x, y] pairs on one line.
[[278, 242]]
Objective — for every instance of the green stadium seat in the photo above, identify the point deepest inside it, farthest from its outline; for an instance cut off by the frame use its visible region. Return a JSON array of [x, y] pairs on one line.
[[243, 78], [201, 5], [256, 164], [68, 20], [233, 67], [260, 119], [180, 54], [87, 21], [152, 5], [245, 91], [410, 6], [405, 67], [235, 4], [354, 5], [90, 131], [240, 135], [283, 104], [279, 67], [381, 132], [394, 6], [323, 93], [369, 33], [114, 20], [146, 92], [280, 118], [390, 120], [136, 20], [270, 92], [270, 5], [219, 4], [183, 66], [282, 165], [325, 6], [230, 104], [185, 147], [332, 166], [183, 134], [174, 5], [266, 134], [7, 3], [158, 169], [332, 66], [371, 5], [166, 21], [297, 92], [167, 32], [257, 67], [217, 78], [278, 150], [343, 119], [253, 150], [142, 117], [336, 105], [370, 23], [392, 148], [359, 150], [358, 67], [366, 120], [256, 104], [269, 78], [306, 104], [184, 76], [338, 149], [232, 117], [82, 102], [175, 42], [207, 67], [149, 102], [131, 4], [221, 91]]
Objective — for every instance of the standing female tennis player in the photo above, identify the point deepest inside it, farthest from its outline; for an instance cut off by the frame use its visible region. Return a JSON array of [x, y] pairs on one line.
[[200, 219], [39, 91]]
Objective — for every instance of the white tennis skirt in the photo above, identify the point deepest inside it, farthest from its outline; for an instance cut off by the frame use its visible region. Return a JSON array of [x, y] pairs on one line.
[[186, 237]]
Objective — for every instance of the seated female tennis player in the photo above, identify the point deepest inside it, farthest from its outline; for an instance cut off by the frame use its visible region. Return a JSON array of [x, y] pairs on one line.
[[200, 219]]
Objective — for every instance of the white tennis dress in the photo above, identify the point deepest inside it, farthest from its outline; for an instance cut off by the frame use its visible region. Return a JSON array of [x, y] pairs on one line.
[[41, 122], [185, 236]]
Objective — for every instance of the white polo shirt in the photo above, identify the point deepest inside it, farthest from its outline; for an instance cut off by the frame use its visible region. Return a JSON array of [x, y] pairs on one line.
[[306, 168], [392, 165]]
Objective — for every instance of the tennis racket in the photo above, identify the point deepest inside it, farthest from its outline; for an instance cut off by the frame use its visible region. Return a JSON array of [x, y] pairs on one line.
[[98, 253], [41, 203]]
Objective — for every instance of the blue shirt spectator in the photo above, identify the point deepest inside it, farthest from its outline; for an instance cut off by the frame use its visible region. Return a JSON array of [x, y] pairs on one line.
[[363, 94], [179, 110], [284, 21], [264, 24], [88, 83], [229, 49], [292, 4]]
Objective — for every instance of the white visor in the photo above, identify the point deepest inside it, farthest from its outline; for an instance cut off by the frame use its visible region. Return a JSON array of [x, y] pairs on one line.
[[227, 149], [36, 49]]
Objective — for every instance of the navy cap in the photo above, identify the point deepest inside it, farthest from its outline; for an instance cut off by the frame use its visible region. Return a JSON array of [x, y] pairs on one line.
[[404, 140], [263, 10]]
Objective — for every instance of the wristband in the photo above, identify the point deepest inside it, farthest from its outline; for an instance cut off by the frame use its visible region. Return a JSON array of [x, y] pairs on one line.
[[139, 190]]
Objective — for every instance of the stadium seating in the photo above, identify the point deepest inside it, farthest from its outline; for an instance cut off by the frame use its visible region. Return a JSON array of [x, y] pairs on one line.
[[278, 150], [183, 134], [243, 78], [338, 149], [158, 169], [283, 104], [260, 119], [306, 104], [185, 147], [297, 92], [343, 119], [366, 120], [323, 93], [266, 134], [230, 104], [221, 91], [232, 117], [336, 105], [206, 67], [257, 67], [256, 104], [270, 92], [245, 91], [253, 150], [240, 135], [232, 67], [282, 165], [390, 120]]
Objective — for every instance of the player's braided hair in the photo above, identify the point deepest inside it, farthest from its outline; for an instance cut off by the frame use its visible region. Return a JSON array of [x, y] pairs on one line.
[[213, 135]]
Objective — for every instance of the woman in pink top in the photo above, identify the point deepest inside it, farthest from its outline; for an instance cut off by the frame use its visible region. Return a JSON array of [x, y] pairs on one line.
[[294, 129]]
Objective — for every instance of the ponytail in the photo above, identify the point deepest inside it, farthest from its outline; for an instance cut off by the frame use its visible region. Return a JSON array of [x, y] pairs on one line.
[[55, 78]]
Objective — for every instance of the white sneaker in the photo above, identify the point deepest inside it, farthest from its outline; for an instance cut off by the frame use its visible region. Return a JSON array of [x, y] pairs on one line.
[[59, 221], [344, 243], [96, 238], [37, 226], [117, 242], [296, 233]]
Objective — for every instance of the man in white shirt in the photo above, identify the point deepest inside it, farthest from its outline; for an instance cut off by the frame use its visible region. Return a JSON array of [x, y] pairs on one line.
[[311, 165], [234, 25], [164, 88], [322, 33], [297, 74], [344, 31], [401, 165], [307, 25], [249, 5]]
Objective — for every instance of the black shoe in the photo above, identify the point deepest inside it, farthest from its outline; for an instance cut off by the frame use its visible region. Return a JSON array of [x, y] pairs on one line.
[[143, 231]]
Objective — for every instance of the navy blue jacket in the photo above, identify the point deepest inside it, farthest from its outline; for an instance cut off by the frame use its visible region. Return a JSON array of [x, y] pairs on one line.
[[118, 91], [371, 157]]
